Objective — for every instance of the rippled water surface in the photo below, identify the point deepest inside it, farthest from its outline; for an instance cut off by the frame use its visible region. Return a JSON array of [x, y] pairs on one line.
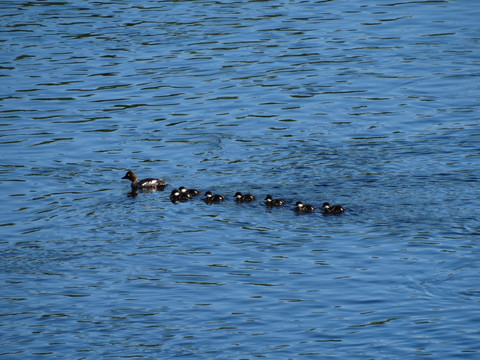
[[373, 105]]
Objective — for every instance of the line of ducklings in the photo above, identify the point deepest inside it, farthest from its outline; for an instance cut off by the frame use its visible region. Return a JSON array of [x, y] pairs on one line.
[[183, 194]]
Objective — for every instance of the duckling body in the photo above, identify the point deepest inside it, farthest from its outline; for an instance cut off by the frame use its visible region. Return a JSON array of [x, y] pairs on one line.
[[190, 192], [213, 198], [300, 207], [177, 196], [241, 198], [332, 209], [269, 201]]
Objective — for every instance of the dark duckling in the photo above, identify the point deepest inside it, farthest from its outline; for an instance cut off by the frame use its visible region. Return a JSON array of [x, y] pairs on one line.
[[332, 209], [211, 198], [191, 192], [269, 201], [239, 197], [304, 208], [176, 196]]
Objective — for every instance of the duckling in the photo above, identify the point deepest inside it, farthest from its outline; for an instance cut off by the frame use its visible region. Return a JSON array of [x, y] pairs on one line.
[[191, 192], [304, 208], [210, 198], [332, 209], [269, 201], [176, 196], [240, 198]]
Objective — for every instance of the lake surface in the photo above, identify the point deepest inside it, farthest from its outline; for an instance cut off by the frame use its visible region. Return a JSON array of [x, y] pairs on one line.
[[372, 105]]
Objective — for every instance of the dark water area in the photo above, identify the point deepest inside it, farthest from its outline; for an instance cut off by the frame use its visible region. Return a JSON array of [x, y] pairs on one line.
[[372, 105]]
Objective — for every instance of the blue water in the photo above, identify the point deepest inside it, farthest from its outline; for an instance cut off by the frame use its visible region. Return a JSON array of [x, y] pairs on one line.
[[373, 105]]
